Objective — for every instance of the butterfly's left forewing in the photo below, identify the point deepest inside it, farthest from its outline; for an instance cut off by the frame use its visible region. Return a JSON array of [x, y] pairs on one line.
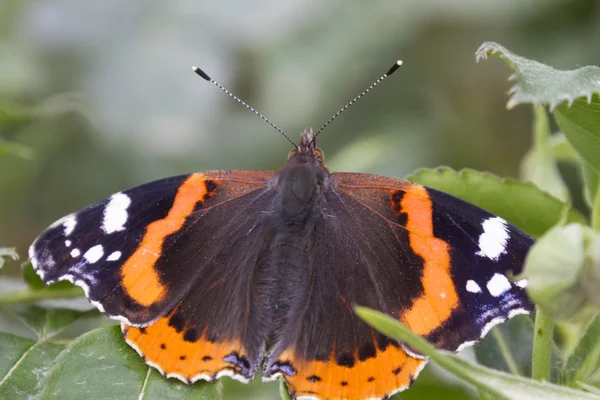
[[175, 260]]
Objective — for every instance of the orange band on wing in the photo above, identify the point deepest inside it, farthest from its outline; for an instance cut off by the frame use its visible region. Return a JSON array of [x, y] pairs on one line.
[[162, 346], [439, 297], [140, 279], [377, 377]]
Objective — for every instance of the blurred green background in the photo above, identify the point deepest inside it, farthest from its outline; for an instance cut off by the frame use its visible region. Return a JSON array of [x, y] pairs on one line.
[[102, 94]]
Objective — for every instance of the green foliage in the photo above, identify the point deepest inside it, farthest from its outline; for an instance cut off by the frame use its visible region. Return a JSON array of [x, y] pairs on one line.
[[23, 364], [508, 347], [538, 84], [539, 164], [497, 384], [563, 269], [584, 363], [99, 364], [581, 123]]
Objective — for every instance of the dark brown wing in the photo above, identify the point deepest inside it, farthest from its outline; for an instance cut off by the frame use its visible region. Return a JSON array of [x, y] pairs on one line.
[[392, 246]]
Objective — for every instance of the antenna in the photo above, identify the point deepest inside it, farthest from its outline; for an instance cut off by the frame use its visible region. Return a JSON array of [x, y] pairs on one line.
[[209, 79], [390, 71]]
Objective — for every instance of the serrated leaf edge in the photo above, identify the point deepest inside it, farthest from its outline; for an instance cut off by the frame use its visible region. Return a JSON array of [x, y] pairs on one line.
[[516, 98]]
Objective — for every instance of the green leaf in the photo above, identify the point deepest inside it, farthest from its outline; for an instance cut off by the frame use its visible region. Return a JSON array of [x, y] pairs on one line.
[[283, 392], [581, 124], [101, 365], [539, 84], [23, 362], [508, 347], [572, 95], [585, 360], [563, 272], [522, 204], [494, 383], [591, 180], [539, 165], [7, 252], [46, 323]]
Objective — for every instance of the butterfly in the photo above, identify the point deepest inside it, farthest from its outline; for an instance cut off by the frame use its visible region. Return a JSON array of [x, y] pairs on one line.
[[221, 273]]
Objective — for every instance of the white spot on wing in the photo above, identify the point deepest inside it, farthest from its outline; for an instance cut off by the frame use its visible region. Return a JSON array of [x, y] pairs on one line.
[[68, 243], [498, 284], [31, 253], [114, 256], [490, 325], [115, 213], [522, 283], [69, 223], [473, 287], [75, 253], [94, 254], [492, 242]]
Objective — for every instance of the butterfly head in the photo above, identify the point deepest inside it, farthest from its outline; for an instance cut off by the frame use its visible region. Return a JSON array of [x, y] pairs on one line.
[[307, 148]]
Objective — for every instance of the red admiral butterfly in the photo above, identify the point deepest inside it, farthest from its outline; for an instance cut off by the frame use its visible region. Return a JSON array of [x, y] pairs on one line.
[[219, 273]]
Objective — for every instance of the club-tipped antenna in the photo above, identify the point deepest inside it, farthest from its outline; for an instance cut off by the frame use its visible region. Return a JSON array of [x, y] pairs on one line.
[[217, 84], [390, 71]]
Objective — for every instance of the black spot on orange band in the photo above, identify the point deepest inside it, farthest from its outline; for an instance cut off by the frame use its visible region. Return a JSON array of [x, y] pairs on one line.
[[345, 360], [191, 335], [366, 351], [165, 347], [329, 380], [177, 322]]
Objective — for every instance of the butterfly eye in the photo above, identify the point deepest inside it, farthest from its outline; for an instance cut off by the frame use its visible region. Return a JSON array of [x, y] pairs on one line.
[[319, 154]]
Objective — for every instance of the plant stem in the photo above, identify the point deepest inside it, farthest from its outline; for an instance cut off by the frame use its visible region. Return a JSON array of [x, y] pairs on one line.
[[32, 296], [541, 365], [595, 217]]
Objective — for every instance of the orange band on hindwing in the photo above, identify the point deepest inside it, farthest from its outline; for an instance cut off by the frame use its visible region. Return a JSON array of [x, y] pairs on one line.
[[188, 359], [385, 372], [439, 296], [141, 280]]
